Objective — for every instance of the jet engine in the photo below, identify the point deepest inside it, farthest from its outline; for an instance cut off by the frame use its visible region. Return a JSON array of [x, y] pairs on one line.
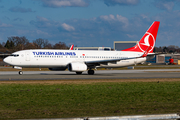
[[77, 67]]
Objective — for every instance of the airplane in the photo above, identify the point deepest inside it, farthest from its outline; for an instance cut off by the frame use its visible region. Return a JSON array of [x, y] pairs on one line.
[[85, 60]]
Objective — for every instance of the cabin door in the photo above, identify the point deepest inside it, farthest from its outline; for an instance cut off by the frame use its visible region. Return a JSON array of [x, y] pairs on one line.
[[27, 56]]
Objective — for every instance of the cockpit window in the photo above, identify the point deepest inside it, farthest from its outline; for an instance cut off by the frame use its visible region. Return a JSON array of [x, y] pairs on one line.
[[15, 55]]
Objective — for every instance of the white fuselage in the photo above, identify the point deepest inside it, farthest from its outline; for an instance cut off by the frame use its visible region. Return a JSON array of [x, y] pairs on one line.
[[61, 58]]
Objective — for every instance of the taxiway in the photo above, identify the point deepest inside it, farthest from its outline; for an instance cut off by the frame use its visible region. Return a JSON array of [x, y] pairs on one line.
[[99, 74]]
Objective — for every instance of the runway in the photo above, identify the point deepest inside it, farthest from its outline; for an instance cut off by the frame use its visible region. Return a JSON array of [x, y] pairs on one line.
[[99, 74]]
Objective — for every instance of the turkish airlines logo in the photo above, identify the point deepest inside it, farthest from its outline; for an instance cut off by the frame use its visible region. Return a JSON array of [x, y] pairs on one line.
[[148, 40]]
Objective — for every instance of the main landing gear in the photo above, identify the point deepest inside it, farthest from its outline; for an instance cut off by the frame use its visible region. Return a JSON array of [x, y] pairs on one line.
[[91, 72], [78, 73]]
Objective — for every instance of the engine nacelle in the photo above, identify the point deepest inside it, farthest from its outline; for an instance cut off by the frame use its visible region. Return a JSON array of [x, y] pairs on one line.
[[77, 67], [58, 69]]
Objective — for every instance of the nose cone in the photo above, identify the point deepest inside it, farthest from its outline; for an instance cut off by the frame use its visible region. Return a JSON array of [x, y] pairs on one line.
[[7, 60]]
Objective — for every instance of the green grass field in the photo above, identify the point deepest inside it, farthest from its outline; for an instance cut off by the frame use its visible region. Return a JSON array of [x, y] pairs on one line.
[[92, 99]]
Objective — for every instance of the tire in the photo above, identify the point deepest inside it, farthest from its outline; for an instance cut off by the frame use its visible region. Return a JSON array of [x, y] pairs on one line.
[[91, 72], [78, 73], [20, 72]]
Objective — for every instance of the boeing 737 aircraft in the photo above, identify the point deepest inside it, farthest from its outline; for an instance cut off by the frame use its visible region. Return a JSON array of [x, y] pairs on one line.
[[83, 60]]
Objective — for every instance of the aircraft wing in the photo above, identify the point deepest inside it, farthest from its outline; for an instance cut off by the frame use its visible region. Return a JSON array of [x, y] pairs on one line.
[[151, 54], [113, 61]]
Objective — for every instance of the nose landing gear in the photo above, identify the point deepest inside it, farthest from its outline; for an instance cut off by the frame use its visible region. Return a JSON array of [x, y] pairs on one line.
[[19, 68], [20, 72]]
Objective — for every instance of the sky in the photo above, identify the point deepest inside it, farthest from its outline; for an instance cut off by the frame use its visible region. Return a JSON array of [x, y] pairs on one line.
[[90, 23]]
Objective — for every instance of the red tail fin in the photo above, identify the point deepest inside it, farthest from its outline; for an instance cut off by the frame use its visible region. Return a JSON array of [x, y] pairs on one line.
[[148, 40]]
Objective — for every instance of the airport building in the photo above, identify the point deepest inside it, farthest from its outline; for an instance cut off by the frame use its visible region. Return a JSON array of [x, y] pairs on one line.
[[164, 59], [118, 45], [121, 45], [93, 48]]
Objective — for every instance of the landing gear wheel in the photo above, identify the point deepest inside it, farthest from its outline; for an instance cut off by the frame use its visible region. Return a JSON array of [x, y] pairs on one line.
[[91, 72], [78, 73], [20, 72]]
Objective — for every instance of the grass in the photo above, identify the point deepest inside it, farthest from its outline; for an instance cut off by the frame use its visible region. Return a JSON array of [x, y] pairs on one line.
[[92, 99]]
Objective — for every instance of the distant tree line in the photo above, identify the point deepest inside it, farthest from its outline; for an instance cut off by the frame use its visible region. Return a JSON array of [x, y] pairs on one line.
[[167, 49], [16, 43]]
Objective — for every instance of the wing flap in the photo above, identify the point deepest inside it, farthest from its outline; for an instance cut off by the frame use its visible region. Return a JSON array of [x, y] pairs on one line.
[[113, 61]]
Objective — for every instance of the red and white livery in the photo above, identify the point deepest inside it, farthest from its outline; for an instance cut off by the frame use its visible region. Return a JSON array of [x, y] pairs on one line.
[[83, 60]]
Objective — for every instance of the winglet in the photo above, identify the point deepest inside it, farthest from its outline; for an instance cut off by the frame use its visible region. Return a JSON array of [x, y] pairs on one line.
[[71, 48]]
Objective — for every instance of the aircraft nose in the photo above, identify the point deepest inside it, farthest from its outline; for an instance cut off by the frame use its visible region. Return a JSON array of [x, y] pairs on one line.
[[7, 60]]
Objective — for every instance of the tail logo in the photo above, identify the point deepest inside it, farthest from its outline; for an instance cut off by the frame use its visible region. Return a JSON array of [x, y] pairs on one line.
[[148, 40]]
